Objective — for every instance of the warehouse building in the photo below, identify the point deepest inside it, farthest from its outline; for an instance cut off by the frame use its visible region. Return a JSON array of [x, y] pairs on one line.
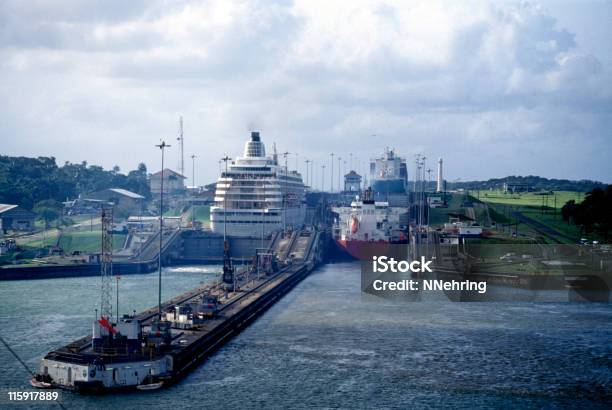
[[173, 182], [124, 201], [15, 218]]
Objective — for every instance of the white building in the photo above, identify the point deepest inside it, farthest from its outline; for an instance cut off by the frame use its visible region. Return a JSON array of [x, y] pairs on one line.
[[352, 182]]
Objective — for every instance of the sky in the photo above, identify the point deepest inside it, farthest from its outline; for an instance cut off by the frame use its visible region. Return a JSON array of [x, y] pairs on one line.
[[496, 88]]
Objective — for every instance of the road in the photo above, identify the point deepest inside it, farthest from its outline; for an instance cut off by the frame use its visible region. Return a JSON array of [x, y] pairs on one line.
[[541, 228]]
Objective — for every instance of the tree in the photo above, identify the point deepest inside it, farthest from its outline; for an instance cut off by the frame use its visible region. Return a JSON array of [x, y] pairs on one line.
[[568, 211], [594, 213], [48, 210], [28, 181]]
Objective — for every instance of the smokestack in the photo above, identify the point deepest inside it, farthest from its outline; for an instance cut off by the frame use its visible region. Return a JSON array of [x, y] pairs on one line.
[[440, 186]]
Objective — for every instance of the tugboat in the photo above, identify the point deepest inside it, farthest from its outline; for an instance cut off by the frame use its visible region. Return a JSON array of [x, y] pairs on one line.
[[116, 356]]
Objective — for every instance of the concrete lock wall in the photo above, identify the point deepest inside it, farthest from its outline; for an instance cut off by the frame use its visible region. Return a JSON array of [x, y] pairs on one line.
[[198, 246]]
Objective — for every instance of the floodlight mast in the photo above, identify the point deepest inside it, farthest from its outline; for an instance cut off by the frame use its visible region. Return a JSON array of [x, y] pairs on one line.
[[193, 190], [285, 155], [181, 140], [228, 270], [162, 146]]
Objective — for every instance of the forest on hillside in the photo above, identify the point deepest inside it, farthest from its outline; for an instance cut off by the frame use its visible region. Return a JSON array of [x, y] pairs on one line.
[[534, 182], [29, 181]]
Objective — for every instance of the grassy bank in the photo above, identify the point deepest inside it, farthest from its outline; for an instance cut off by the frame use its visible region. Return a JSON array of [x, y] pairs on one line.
[[202, 213], [532, 199], [86, 242], [439, 216], [545, 209]]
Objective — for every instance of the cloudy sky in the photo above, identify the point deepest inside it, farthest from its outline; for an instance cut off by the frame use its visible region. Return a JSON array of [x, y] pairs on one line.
[[496, 88]]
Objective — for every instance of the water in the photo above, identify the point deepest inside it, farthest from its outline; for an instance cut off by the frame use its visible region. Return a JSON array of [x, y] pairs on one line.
[[326, 344]]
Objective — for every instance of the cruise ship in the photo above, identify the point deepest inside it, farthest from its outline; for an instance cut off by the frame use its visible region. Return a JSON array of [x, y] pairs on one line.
[[256, 195]]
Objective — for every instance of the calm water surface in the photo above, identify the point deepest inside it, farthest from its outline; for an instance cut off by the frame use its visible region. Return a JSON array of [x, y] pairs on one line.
[[327, 345]]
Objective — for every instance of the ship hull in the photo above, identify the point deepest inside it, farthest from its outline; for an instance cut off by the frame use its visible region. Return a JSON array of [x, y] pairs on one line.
[[365, 250]]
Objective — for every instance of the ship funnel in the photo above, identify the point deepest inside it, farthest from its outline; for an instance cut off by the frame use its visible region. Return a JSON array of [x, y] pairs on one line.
[[254, 147]]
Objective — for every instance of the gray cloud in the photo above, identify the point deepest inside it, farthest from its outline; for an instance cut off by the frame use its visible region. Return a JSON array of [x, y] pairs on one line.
[[495, 88]]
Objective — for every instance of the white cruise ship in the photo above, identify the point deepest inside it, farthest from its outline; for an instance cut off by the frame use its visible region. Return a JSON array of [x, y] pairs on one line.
[[257, 195]]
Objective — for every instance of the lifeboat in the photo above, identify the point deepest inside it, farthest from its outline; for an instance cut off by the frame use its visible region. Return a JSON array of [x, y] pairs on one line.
[[354, 224]]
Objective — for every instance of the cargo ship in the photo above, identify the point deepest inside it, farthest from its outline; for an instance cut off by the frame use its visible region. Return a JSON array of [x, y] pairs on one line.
[[368, 228], [388, 176]]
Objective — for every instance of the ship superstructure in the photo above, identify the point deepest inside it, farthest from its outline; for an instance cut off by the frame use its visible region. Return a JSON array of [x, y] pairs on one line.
[[256, 195], [388, 174]]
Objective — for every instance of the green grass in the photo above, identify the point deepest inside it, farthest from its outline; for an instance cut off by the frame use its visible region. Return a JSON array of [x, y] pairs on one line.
[[86, 242], [39, 243], [439, 216], [173, 212], [202, 213], [36, 240], [527, 198], [530, 204], [498, 217], [555, 222]]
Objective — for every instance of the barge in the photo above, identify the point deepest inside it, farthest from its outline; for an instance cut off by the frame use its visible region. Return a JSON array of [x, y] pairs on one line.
[[159, 346]]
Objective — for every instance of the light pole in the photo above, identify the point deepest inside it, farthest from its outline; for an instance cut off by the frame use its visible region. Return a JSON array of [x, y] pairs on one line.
[[162, 146], [331, 187], [419, 196], [312, 173], [263, 219], [263, 226], [416, 173], [307, 170], [193, 157], [285, 155], [322, 178], [350, 161], [118, 277], [423, 189], [339, 173], [225, 159]]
